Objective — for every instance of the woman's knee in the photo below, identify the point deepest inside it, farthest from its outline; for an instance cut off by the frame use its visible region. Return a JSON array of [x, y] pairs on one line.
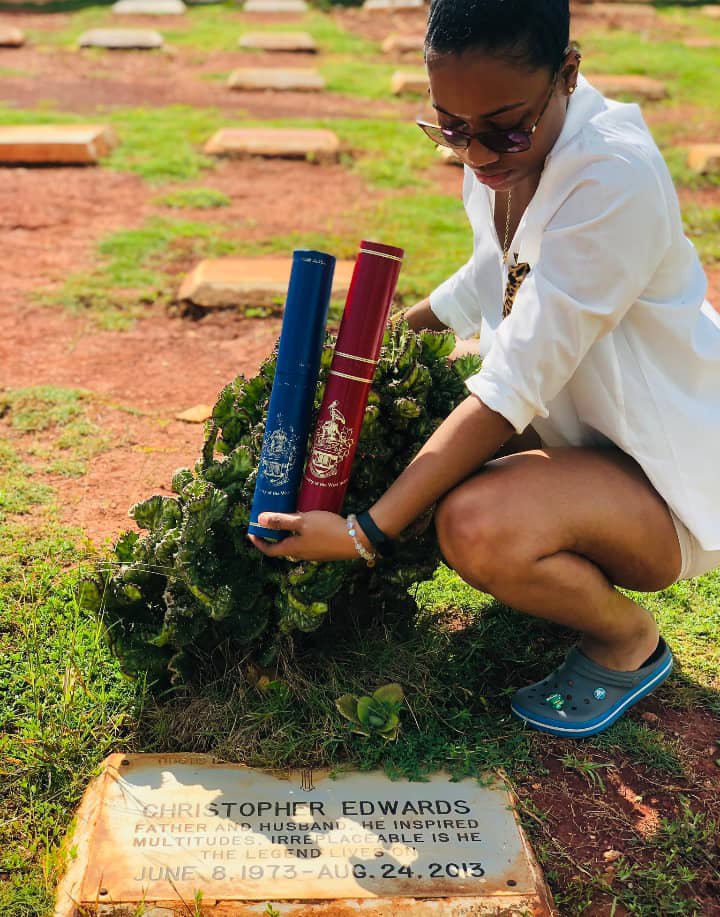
[[472, 531]]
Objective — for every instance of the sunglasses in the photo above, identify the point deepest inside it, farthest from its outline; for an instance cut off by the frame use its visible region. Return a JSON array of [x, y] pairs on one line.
[[516, 140]]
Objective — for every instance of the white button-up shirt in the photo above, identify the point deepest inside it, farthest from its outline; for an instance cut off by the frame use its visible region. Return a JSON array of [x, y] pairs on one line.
[[610, 339]]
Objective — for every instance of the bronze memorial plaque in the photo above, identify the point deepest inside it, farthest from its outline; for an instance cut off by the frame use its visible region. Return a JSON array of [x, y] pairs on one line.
[[169, 830]]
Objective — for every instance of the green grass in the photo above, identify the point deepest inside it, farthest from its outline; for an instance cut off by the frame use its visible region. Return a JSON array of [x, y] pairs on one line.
[[431, 255], [194, 199], [685, 70], [42, 407], [132, 270], [69, 704], [367, 78], [162, 144], [63, 702]]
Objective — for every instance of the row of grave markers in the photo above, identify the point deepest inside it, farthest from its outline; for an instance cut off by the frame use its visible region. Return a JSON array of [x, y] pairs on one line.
[[178, 7], [248, 282], [86, 144], [618, 12]]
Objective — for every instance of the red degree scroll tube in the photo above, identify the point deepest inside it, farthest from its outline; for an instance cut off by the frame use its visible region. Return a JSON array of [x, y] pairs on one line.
[[335, 440]]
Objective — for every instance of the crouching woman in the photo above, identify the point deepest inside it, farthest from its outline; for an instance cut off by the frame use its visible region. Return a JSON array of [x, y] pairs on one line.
[[599, 348]]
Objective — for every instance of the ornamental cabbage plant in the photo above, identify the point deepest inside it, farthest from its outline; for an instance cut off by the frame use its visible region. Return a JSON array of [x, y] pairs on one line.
[[188, 593]]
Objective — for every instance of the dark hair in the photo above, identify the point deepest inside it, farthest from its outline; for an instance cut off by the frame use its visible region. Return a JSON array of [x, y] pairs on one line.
[[534, 33]]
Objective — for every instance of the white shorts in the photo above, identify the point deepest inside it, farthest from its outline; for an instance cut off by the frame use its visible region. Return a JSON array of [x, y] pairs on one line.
[[695, 559]]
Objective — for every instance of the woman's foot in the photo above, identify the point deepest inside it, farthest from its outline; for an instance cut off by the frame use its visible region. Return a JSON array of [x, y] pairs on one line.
[[581, 698]]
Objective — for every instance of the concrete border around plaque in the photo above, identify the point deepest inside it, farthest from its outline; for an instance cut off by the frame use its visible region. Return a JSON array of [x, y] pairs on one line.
[[158, 829]]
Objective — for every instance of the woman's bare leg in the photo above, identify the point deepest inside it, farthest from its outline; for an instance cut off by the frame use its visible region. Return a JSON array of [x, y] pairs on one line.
[[551, 532]]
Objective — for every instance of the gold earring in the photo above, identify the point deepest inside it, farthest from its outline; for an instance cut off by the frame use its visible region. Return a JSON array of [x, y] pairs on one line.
[[572, 89]]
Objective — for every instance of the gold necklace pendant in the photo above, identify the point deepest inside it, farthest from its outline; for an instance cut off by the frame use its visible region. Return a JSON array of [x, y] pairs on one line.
[[506, 241]]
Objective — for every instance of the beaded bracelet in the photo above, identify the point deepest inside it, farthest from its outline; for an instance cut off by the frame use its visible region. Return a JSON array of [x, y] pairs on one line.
[[369, 558]]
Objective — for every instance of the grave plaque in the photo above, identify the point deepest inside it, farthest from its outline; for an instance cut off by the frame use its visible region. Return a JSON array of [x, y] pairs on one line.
[[704, 158], [317, 144], [644, 88], [249, 282], [121, 39], [275, 6], [405, 81], [449, 156], [404, 44], [11, 37], [393, 4], [286, 79], [149, 8], [702, 41], [55, 144], [296, 42], [160, 830]]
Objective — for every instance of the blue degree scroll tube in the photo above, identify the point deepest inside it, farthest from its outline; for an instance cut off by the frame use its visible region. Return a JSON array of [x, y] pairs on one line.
[[284, 447]]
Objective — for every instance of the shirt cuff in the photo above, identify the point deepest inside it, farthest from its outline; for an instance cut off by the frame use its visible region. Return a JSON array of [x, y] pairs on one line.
[[445, 307], [503, 400]]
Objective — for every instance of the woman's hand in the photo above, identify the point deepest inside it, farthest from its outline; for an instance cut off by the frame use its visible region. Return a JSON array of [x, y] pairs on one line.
[[316, 536]]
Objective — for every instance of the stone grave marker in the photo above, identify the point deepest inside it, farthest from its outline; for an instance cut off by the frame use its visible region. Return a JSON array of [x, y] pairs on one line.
[[199, 413], [287, 79], [296, 42], [643, 88], [149, 8], [704, 158], [55, 144], [449, 156], [249, 282], [275, 6], [11, 37], [393, 4], [406, 81], [157, 830], [403, 44], [121, 39], [702, 41], [275, 142]]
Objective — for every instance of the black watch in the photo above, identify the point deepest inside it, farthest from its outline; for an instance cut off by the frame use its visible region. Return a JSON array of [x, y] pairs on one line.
[[384, 546]]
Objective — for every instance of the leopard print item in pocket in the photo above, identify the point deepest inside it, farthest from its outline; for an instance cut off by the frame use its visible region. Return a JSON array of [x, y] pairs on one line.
[[516, 274]]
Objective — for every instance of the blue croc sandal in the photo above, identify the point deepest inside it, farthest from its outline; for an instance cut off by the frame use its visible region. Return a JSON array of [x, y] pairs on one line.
[[581, 698]]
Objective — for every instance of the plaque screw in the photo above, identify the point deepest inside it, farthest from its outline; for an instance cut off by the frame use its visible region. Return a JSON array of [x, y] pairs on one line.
[[103, 891], [124, 762], [511, 882]]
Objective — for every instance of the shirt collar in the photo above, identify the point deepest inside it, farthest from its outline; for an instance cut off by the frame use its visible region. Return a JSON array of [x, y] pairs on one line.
[[584, 104]]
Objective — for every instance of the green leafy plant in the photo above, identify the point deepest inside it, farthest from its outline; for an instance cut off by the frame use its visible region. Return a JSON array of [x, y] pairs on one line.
[[193, 594], [376, 714]]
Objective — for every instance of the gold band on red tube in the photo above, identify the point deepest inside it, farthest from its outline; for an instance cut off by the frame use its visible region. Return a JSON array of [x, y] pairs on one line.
[[334, 372], [369, 251], [351, 356]]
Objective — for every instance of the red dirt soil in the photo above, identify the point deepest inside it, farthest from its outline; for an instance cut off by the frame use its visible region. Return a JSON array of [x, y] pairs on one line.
[[165, 364], [592, 824]]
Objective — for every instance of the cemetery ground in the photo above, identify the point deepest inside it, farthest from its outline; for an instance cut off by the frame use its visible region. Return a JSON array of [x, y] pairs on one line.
[[98, 358]]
